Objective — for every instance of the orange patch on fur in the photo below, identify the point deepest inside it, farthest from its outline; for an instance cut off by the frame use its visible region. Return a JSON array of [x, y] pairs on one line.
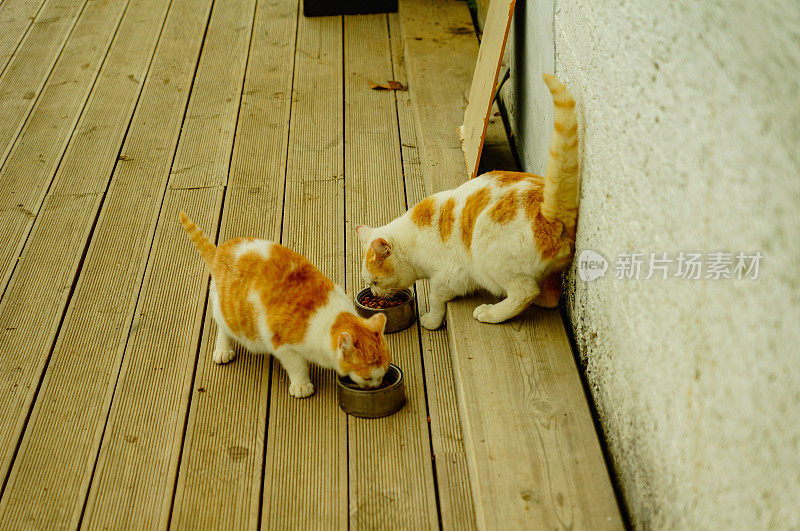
[[532, 200], [547, 234], [504, 210], [369, 347], [233, 285], [508, 178], [376, 266], [472, 208], [290, 288], [446, 219], [559, 128], [422, 213]]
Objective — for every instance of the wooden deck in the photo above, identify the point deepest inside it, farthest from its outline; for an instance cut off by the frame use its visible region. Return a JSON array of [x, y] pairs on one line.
[[116, 115]]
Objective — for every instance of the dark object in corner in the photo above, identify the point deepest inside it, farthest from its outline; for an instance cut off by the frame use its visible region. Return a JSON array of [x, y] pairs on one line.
[[318, 8]]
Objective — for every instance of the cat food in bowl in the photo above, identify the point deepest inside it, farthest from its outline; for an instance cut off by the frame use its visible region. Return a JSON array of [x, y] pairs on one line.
[[375, 403], [399, 308]]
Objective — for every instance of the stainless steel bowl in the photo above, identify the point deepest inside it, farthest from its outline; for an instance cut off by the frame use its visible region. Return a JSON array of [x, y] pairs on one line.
[[373, 403], [398, 317]]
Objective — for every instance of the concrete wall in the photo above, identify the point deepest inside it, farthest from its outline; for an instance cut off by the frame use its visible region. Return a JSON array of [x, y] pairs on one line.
[[690, 124]]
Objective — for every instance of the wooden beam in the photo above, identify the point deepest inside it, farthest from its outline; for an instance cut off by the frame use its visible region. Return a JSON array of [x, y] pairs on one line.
[[535, 460], [484, 81]]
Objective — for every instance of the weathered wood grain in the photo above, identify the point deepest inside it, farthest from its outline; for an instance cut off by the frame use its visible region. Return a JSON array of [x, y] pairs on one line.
[[56, 457], [40, 287], [305, 477], [391, 477], [16, 18], [49, 125], [220, 480], [452, 478], [25, 75], [134, 480]]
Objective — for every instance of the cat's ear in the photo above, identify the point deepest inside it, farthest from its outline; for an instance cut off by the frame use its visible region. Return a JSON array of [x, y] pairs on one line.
[[377, 322], [345, 342], [344, 352], [364, 232], [381, 248]]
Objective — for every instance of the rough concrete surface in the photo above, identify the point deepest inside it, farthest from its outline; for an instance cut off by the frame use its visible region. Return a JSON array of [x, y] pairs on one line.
[[690, 124]]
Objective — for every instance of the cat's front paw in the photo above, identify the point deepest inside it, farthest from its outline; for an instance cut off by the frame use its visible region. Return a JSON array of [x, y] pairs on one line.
[[431, 321], [223, 355], [301, 390], [487, 313]]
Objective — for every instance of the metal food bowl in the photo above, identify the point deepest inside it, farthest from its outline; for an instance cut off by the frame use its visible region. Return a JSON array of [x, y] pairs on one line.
[[372, 403], [398, 317]]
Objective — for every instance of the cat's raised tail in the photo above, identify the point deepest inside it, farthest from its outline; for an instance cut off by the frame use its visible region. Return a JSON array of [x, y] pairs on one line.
[[207, 249], [560, 202]]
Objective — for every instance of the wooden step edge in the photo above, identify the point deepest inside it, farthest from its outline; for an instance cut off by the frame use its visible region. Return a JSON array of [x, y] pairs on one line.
[[534, 456]]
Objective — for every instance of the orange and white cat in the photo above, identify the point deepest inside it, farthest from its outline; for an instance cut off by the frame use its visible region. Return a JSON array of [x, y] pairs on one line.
[[270, 299], [510, 233]]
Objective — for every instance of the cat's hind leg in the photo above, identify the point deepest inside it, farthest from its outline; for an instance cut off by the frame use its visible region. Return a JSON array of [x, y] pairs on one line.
[[519, 295], [224, 349], [296, 367], [550, 291]]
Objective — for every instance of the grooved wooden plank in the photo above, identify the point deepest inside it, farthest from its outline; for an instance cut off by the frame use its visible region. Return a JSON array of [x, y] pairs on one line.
[[26, 73], [440, 49], [484, 80], [50, 126], [220, 479], [391, 476], [135, 477], [305, 479], [18, 180], [16, 18], [452, 478], [534, 458], [549, 470], [54, 464]]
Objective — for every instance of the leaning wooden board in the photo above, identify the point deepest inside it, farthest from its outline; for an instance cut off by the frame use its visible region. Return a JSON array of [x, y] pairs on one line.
[[535, 461], [484, 80]]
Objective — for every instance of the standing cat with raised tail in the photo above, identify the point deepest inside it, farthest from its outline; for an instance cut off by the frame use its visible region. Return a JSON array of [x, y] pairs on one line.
[[270, 299], [510, 233]]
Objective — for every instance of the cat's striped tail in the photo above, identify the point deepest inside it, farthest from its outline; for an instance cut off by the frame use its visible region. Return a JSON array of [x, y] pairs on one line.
[[207, 249], [560, 201]]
